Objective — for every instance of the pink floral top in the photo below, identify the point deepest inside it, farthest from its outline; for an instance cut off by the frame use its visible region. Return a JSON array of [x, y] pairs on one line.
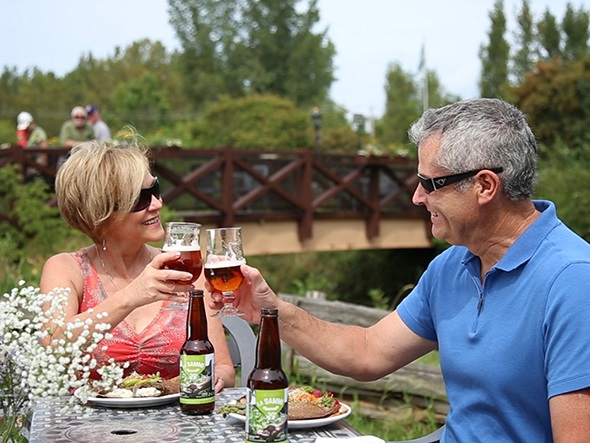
[[155, 349]]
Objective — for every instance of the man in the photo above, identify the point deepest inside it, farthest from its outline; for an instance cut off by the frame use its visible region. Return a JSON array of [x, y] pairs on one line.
[[77, 129], [29, 134], [507, 305], [101, 130]]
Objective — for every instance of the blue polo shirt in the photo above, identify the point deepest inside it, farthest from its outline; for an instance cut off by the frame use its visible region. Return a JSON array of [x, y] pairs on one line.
[[509, 345]]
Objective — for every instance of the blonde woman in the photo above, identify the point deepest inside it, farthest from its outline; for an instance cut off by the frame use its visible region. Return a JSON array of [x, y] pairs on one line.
[[109, 193]]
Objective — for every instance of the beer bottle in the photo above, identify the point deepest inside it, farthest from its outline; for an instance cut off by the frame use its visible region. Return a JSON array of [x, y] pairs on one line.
[[268, 386], [197, 361]]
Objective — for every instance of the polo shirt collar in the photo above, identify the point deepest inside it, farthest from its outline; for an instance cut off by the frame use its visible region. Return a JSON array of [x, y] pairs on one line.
[[525, 246]]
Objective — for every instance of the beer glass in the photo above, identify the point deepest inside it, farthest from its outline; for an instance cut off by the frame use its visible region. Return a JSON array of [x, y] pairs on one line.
[[224, 257], [185, 238]]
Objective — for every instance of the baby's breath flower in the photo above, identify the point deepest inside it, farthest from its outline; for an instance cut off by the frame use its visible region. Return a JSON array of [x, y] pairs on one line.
[[29, 369]]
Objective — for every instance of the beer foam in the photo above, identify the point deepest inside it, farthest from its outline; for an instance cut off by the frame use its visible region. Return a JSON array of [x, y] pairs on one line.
[[181, 248], [224, 264]]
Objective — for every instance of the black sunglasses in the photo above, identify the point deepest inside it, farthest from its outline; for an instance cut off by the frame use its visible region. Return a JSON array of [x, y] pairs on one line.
[[145, 196], [431, 184]]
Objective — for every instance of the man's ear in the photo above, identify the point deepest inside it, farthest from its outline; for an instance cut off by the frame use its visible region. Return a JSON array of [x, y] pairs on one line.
[[487, 185]]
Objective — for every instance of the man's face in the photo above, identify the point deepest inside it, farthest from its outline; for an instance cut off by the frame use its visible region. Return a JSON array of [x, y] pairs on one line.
[[79, 119], [452, 213]]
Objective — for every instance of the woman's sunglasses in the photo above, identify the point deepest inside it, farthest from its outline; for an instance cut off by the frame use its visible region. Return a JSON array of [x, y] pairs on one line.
[[145, 196]]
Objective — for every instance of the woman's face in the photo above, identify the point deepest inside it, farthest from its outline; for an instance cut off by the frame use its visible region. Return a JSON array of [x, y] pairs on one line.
[[144, 225]]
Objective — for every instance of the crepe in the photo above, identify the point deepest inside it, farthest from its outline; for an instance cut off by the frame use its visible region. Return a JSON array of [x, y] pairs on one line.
[[137, 385], [307, 403]]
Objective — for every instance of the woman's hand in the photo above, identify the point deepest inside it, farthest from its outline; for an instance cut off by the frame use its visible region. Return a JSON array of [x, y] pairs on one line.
[[156, 283]]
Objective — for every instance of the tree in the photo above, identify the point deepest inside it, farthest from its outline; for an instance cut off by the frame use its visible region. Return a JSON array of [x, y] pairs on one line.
[[404, 102], [494, 55], [556, 98], [252, 46], [575, 27], [403, 105], [522, 61], [253, 122], [548, 37]]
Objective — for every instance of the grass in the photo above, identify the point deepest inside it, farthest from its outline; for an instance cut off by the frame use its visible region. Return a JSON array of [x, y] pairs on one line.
[[404, 422], [392, 429]]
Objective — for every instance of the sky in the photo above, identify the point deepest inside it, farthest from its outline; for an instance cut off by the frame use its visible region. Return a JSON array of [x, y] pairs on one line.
[[369, 35]]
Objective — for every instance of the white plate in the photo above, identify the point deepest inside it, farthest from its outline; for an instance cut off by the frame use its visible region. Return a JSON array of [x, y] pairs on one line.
[[135, 402], [306, 424]]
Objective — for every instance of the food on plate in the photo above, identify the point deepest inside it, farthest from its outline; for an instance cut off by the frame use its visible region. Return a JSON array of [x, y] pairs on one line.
[[305, 403], [143, 385]]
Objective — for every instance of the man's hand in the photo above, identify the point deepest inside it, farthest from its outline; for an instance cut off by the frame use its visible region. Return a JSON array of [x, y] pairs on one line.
[[253, 294]]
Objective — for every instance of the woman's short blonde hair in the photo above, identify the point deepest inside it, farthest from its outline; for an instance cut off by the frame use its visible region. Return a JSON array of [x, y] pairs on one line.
[[99, 183]]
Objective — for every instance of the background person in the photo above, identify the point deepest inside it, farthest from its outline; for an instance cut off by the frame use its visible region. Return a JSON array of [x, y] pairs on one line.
[[29, 134], [109, 194], [77, 129], [101, 130], [506, 305]]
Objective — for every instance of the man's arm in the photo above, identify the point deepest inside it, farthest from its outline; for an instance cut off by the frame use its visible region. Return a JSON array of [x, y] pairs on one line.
[[361, 353], [570, 416]]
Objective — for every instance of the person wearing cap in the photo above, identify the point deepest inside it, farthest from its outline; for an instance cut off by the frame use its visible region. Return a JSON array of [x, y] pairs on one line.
[[101, 130], [28, 134], [77, 129]]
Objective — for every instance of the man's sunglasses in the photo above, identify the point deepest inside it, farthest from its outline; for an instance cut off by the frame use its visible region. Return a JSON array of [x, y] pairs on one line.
[[431, 184], [145, 196]]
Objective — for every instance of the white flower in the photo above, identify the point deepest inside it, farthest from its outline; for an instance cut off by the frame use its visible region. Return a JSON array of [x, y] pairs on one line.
[[29, 369]]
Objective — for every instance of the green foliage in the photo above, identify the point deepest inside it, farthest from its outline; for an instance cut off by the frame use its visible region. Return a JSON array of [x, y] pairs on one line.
[[252, 47], [406, 428], [31, 230], [378, 299], [253, 122], [346, 275], [562, 171], [403, 105], [494, 55], [575, 28], [522, 60], [548, 37], [556, 98]]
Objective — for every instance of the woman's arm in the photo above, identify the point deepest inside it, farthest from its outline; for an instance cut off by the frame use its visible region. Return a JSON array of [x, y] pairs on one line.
[[152, 285]]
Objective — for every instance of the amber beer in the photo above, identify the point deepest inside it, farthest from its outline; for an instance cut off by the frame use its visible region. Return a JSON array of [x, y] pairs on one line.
[[189, 261], [197, 361], [268, 386], [225, 276]]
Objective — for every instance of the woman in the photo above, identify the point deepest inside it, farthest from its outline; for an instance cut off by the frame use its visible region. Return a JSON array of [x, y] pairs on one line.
[[109, 194]]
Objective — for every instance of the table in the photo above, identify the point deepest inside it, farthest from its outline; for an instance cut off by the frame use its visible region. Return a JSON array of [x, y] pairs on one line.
[[159, 424]]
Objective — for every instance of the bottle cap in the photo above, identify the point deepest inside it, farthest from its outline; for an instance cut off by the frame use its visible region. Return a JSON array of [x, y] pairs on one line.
[[269, 311], [196, 293]]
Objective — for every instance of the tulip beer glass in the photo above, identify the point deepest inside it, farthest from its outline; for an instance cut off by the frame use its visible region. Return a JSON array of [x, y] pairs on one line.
[[185, 238], [222, 265]]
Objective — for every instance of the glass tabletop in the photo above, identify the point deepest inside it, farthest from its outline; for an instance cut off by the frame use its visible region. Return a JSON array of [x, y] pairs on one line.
[[52, 424]]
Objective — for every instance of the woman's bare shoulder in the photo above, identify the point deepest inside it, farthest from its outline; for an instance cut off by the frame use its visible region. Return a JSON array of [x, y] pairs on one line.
[[61, 270]]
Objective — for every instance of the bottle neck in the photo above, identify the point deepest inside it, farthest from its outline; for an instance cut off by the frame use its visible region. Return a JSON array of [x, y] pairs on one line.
[[268, 347], [196, 325]]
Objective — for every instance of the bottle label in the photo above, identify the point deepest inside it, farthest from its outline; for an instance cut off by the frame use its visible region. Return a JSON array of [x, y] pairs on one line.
[[197, 379], [266, 415]]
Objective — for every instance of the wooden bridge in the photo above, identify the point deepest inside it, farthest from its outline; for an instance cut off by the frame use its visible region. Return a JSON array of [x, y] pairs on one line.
[[286, 201]]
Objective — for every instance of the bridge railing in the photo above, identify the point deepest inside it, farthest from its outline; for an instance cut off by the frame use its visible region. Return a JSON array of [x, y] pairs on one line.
[[226, 186]]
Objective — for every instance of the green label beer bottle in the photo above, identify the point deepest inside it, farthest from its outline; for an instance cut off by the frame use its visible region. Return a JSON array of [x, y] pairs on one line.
[[197, 361], [268, 386]]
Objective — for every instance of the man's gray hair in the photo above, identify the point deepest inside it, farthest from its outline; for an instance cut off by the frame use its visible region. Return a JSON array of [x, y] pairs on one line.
[[483, 133]]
